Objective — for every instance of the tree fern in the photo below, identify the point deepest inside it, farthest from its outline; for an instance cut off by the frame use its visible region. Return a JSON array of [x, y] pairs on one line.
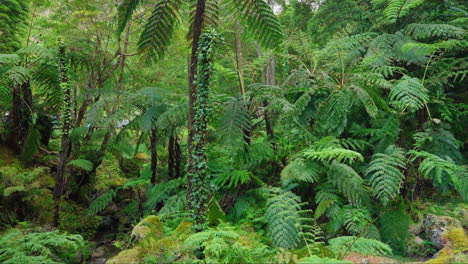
[[444, 174], [385, 175], [323, 260], [428, 31], [101, 202], [17, 246], [394, 229], [232, 179], [157, 32], [400, 8], [409, 93], [345, 244], [82, 164], [330, 154], [283, 218], [234, 122], [124, 13], [261, 21], [301, 170], [349, 183], [211, 16], [333, 113], [158, 192]]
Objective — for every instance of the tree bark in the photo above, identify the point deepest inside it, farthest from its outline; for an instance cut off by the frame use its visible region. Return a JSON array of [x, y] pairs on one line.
[[20, 115], [196, 31], [154, 155], [65, 146]]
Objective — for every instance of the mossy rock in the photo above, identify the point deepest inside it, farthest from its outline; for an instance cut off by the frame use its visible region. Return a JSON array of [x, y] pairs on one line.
[[151, 226], [455, 250], [435, 226], [127, 256]]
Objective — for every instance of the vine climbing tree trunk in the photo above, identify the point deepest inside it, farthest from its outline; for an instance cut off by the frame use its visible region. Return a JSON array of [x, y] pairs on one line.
[[192, 166], [198, 196], [66, 126], [154, 155], [174, 157]]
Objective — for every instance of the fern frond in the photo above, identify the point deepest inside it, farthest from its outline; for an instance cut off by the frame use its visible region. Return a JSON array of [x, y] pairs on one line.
[[234, 121], [427, 31], [261, 21], [333, 113], [82, 164], [349, 183], [385, 176], [232, 179], [394, 226], [101, 202], [157, 32], [125, 12], [161, 191], [409, 93], [346, 244], [301, 170], [211, 16], [282, 217], [330, 154], [400, 8]]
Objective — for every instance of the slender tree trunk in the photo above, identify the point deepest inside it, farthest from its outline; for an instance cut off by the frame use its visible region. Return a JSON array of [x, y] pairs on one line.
[[154, 155], [174, 159], [20, 115], [65, 146], [196, 33], [240, 74]]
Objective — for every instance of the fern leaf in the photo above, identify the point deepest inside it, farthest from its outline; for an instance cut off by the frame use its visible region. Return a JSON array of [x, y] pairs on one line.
[[125, 11], [400, 8], [301, 170], [385, 176], [394, 226], [82, 164], [261, 21], [427, 31], [349, 183], [101, 202], [330, 154], [158, 31], [282, 218], [409, 93], [345, 244]]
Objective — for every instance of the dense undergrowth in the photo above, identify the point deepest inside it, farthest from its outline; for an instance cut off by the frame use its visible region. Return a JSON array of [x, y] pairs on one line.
[[312, 131]]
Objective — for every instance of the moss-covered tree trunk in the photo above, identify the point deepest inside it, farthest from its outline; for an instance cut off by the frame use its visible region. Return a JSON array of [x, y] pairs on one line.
[[198, 173], [66, 126]]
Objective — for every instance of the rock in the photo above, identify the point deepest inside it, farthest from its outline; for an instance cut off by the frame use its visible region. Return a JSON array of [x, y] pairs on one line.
[[435, 226], [98, 261], [150, 226], [99, 252], [418, 240]]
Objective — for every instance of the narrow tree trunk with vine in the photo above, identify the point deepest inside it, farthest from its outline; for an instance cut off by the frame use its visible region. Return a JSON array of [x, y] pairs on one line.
[[154, 155], [196, 33], [174, 158], [66, 126], [198, 196]]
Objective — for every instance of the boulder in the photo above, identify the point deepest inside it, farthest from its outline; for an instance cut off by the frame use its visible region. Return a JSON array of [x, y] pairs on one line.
[[435, 226]]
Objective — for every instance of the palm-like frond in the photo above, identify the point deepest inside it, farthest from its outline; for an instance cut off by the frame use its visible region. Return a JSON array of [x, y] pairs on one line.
[[261, 21], [158, 31], [409, 93], [210, 17], [124, 13]]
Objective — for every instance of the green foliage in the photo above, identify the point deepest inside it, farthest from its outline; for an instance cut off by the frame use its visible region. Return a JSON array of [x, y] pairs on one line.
[[283, 217], [385, 174], [409, 94], [101, 202], [158, 192], [394, 227], [82, 164], [315, 259], [397, 9], [443, 173], [31, 145], [345, 244], [18, 246], [349, 183], [333, 154], [261, 21], [158, 31], [301, 170], [427, 31]]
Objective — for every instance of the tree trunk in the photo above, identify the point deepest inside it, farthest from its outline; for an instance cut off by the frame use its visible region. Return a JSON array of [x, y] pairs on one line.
[[196, 32], [154, 155], [20, 115], [65, 146]]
